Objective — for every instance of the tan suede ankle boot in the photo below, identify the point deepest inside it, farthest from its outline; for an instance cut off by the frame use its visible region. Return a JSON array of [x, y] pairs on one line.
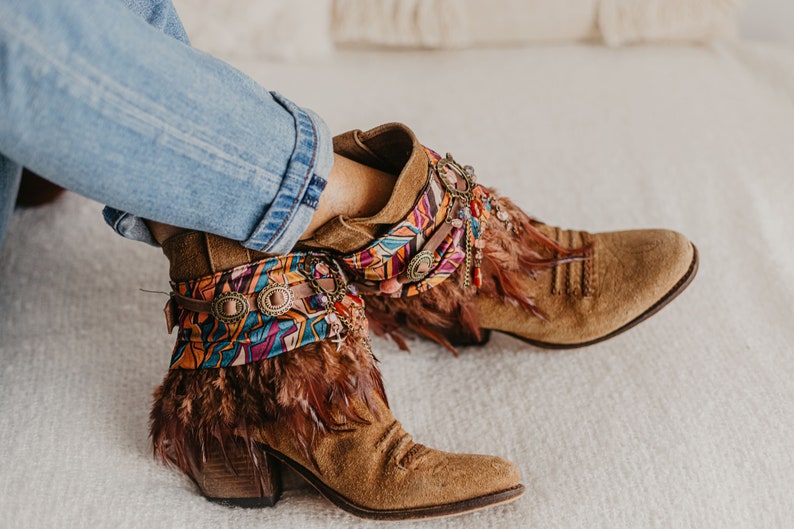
[[272, 367], [452, 260]]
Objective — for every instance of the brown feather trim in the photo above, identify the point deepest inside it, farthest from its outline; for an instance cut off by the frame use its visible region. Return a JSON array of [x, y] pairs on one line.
[[446, 313], [311, 389]]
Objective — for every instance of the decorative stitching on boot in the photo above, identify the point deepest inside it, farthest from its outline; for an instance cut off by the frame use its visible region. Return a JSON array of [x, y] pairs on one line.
[[413, 455], [389, 430], [555, 270], [569, 235], [588, 274]]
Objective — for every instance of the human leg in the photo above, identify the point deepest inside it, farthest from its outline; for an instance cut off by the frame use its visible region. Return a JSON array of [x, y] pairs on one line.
[[405, 479], [178, 137], [160, 14], [353, 189]]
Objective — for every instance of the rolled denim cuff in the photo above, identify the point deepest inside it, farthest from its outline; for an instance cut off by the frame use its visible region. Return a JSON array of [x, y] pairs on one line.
[[128, 226], [304, 180], [295, 202]]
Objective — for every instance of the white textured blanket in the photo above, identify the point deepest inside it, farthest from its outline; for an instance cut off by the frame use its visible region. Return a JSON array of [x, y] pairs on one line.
[[687, 421]]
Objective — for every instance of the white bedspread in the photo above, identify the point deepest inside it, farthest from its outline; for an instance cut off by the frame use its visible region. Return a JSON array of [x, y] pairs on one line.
[[687, 421]]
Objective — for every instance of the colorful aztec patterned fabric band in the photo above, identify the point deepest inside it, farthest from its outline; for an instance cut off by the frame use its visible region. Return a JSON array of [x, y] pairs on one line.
[[393, 255], [234, 332]]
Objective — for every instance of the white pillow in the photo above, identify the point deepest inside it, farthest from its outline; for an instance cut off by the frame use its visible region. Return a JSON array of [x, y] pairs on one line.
[[463, 23], [627, 21]]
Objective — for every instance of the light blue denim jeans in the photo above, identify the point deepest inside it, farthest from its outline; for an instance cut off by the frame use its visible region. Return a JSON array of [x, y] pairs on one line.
[[106, 98]]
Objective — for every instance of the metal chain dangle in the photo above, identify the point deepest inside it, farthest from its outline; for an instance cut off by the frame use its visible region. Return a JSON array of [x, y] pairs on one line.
[[316, 264], [466, 278], [472, 202], [334, 300], [440, 235]]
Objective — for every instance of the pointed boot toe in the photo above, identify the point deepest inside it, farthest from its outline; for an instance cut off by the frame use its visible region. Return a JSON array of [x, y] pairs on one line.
[[626, 277], [501, 476], [641, 271], [374, 469]]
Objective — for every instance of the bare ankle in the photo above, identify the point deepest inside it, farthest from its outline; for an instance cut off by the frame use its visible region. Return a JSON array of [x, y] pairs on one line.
[[353, 190], [162, 232]]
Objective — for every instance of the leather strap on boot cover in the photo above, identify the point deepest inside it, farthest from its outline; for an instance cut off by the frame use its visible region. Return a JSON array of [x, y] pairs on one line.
[[256, 310], [441, 232]]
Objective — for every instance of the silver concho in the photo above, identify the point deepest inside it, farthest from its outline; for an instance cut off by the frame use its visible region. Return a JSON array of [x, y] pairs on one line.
[[420, 266], [266, 305], [221, 304]]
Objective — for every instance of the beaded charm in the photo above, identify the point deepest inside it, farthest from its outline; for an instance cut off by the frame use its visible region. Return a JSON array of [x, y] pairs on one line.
[[473, 204]]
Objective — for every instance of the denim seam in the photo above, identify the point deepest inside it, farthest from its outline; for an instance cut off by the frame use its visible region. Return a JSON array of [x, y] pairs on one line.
[[133, 109], [307, 177]]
